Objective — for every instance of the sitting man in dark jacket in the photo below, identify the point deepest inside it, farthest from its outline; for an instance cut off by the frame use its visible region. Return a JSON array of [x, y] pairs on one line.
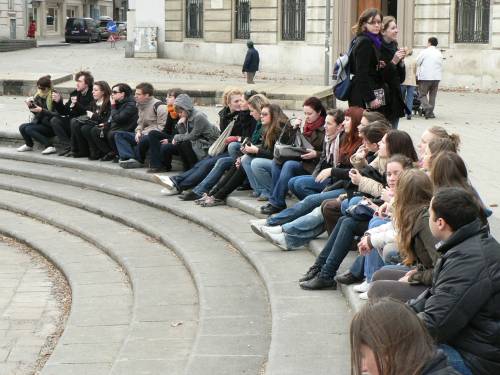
[[251, 63], [462, 307], [77, 105]]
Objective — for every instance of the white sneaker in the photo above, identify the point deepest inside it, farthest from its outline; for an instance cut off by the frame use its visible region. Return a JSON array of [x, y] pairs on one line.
[[24, 148], [169, 192], [49, 150], [363, 296], [361, 288], [275, 229], [165, 181], [278, 239], [257, 225]]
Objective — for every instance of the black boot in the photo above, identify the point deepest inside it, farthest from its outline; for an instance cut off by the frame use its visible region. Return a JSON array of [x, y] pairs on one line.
[[318, 283], [311, 273], [348, 278]]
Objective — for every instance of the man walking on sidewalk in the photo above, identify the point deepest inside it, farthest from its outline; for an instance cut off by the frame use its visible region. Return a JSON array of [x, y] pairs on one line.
[[251, 64], [429, 73]]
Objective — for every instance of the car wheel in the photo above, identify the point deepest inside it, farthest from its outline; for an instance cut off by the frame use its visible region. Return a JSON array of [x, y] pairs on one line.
[[67, 40]]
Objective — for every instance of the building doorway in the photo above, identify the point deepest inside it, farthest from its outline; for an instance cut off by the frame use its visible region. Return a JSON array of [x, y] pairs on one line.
[[388, 7]]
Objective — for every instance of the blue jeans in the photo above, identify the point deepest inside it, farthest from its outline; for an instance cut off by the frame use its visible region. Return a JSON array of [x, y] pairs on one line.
[[304, 229], [408, 95], [195, 175], [261, 176], [455, 359], [222, 165], [281, 175], [37, 132], [338, 245], [373, 261], [128, 148], [233, 149], [302, 208], [302, 186]]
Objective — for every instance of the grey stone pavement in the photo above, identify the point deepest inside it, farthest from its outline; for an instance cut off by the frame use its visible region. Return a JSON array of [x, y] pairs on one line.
[[30, 311]]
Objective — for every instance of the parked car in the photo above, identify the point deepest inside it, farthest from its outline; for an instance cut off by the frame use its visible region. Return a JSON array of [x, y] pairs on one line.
[[122, 28], [103, 29], [81, 29]]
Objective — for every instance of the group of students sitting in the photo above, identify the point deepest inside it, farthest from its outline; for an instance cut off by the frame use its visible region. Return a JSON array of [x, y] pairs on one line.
[[420, 228]]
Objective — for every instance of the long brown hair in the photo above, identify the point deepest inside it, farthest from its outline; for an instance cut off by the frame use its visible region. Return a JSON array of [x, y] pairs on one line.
[[364, 18], [438, 145], [440, 132], [398, 338], [104, 87], [278, 120], [351, 141], [413, 195]]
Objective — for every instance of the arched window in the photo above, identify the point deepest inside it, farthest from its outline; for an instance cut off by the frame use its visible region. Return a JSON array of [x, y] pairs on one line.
[[293, 20], [472, 21]]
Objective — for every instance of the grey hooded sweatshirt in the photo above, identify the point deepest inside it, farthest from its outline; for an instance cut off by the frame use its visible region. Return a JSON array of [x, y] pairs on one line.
[[197, 129]]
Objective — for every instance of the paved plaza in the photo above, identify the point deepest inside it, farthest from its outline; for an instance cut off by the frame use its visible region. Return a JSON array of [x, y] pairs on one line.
[[161, 286]]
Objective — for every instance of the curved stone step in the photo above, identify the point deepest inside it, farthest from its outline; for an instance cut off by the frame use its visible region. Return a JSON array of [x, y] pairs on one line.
[[309, 330], [101, 306], [234, 327]]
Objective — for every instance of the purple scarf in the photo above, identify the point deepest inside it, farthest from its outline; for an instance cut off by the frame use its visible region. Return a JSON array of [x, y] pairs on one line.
[[375, 38]]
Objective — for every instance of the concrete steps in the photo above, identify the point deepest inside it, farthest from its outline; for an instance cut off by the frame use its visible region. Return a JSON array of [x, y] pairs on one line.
[[309, 329], [100, 334]]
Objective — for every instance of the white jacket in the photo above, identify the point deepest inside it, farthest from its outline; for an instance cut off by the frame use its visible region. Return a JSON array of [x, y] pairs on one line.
[[383, 239], [430, 64]]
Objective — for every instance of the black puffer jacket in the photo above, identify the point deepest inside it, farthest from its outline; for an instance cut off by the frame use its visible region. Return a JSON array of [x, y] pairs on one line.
[[124, 115], [438, 365], [462, 308]]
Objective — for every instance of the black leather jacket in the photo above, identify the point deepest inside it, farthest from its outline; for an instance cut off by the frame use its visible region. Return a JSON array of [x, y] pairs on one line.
[[462, 308]]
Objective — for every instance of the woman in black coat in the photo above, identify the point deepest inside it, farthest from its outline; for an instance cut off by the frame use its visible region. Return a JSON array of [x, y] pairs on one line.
[[364, 61], [393, 72]]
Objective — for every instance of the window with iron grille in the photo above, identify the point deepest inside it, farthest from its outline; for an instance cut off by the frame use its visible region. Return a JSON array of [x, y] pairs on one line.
[[194, 18], [293, 20], [242, 27], [472, 21]]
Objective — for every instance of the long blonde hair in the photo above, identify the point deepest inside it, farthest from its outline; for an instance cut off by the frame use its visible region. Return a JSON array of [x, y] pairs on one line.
[[413, 195]]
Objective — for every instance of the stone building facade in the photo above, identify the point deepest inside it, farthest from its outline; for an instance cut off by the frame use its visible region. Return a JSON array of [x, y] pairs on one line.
[[12, 19], [290, 34], [50, 15]]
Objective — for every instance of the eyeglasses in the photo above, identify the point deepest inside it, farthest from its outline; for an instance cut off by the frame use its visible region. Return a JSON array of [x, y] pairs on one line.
[[262, 114], [42, 88], [374, 23], [116, 92]]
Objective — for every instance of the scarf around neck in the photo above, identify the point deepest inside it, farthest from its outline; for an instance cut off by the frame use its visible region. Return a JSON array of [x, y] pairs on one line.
[[375, 38], [309, 127], [47, 95]]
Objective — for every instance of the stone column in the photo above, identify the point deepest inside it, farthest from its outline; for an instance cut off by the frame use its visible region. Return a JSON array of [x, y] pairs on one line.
[[62, 16], [405, 22], [344, 16], [42, 20]]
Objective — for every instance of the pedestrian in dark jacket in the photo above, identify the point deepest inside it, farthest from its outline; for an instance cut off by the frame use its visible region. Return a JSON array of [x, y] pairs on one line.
[[77, 105], [251, 64], [123, 118], [462, 307], [388, 338]]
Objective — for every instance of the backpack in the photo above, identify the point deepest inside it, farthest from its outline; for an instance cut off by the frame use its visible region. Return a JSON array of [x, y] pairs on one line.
[[342, 74]]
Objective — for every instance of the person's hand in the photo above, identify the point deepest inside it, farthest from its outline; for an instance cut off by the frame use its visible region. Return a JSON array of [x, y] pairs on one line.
[[73, 101], [398, 56], [295, 122], [164, 141], [375, 103], [182, 120], [112, 100], [323, 175], [231, 139], [382, 210], [364, 245], [355, 176], [381, 64], [361, 152], [56, 97], [138, 136], [237, 163], [387, 195], [89, 114], [312, 154], [101, 125], [174, 141], [36, 109], [406, 277], [250, 149]]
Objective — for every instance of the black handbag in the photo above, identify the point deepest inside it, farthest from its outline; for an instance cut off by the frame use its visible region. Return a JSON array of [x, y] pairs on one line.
[[284, 151]]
